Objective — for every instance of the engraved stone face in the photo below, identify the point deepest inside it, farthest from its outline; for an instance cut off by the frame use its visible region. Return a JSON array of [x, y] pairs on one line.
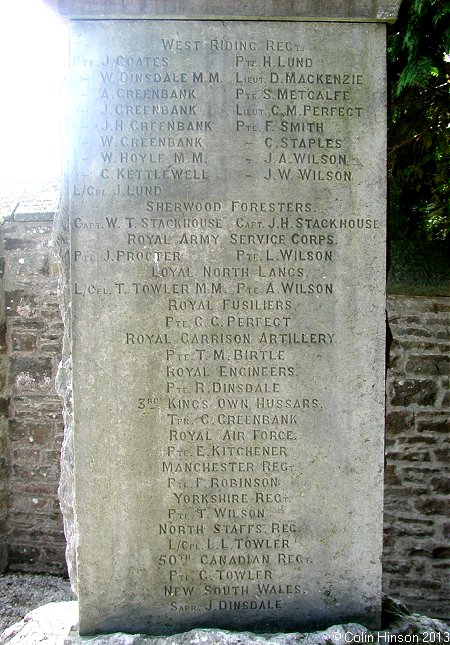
[[227, 257], [356, 10]]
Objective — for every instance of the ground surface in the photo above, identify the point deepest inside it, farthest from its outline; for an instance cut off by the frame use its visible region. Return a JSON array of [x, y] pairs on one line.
[[22, 592]]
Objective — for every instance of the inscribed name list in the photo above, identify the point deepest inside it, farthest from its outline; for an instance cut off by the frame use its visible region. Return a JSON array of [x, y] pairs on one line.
[[227, 252]]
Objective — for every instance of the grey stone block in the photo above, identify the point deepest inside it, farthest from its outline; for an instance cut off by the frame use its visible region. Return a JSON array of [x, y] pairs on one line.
[[226, 206]]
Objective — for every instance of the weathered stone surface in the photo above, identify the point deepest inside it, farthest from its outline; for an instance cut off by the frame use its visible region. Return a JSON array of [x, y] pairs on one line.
[[31, 374], [227, 259], [29, 401], [54, 623], [49, 623], [428, 365], [40, 497], [4, 452], [410, 391], [417, 469], [364, 10], [399, 422]]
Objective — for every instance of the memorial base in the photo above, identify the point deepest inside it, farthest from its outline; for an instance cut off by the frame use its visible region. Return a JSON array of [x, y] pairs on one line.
[[54, 623]]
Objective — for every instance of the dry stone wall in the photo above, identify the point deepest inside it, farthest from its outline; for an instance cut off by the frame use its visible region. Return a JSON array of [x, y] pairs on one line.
[[33, 337], [417, 483], [416, 554], [4, 479]]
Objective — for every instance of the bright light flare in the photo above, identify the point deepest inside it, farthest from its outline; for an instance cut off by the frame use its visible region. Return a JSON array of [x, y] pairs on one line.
[[34, 61]]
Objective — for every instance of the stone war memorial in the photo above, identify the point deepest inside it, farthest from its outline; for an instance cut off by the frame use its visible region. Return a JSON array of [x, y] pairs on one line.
[[225, 309]]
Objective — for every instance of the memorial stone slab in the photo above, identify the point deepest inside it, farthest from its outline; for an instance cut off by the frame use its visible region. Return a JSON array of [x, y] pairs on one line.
[[226, 200]]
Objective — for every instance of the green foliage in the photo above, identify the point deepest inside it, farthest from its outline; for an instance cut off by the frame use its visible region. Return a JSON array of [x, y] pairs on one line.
[[419, 121]]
